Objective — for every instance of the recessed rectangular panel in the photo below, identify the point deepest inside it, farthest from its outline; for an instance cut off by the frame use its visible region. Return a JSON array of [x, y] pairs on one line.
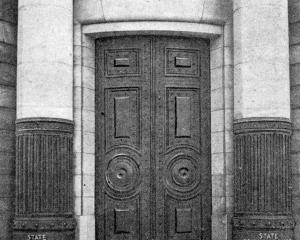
[[122, 62], [122, 117], [183, 220], [182, 62], [183, 116], [123, 220]]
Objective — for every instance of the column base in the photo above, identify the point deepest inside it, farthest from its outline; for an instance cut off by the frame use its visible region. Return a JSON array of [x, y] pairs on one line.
[[263, 227], [38, 228], [44, 180], [262, 180]]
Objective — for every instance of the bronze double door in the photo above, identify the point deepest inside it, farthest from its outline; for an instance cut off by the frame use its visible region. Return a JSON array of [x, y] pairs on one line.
[[152, 138]]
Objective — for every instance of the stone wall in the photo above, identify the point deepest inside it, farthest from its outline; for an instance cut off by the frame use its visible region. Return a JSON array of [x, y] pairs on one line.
[[221, 132], [294, 20], [8, 59], [84, 134]]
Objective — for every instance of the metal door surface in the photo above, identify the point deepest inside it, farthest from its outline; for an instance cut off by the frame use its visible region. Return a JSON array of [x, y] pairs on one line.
[[153, 177]]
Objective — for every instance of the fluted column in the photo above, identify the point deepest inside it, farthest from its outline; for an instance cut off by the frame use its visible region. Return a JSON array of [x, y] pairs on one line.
[[262, 127], [44, 126]]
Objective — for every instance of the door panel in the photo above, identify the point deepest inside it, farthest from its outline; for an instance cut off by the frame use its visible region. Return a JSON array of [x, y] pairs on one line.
[[152, 138], [123, 138], [183, 139]]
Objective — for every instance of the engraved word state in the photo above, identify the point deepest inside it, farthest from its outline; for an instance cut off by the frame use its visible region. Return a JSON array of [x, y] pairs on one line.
[[36, 237], [267, 236]]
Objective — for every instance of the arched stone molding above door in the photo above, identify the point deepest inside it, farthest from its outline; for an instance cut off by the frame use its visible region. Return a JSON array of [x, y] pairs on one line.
[[101, 11]]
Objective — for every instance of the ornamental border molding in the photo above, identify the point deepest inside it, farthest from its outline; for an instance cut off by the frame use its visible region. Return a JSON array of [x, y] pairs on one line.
[[43, 124], [263, 222], [249, 125]]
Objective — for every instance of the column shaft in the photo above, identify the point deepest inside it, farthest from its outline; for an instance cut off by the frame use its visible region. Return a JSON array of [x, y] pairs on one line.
[[262, 127], [261, 59], [44, 126], [45, 59]]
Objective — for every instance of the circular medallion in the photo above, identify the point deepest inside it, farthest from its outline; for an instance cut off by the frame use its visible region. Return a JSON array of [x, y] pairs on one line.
[[182, 174], [122, 174]]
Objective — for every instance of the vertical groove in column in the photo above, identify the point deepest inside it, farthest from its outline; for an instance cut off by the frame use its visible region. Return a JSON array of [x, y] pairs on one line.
[[43, 173], [262, 177]]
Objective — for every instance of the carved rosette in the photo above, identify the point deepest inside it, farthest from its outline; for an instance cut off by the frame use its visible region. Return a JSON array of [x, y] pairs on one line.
[[122, 176], [182, 178], [44, 179], [262, 179]]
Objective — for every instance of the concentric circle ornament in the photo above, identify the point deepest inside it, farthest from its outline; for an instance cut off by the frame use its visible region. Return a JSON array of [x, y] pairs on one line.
[[182, 174], [122, 174]]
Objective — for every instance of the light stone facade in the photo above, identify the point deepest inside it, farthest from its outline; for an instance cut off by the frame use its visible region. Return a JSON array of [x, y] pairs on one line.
[[50, 60]]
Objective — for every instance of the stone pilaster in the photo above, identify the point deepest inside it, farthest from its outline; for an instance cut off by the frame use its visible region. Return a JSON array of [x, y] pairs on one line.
[[44, 126], [262, 128]]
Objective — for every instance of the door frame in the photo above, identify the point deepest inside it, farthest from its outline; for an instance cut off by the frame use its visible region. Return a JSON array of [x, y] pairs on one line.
[[84, 114]]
